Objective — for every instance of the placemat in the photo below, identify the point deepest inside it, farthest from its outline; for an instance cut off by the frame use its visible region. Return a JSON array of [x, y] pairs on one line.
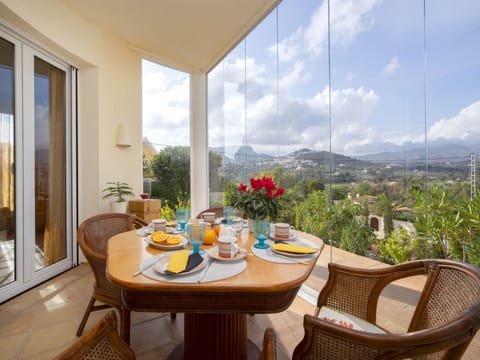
[[267, 254], [218, 270], [144, 231]]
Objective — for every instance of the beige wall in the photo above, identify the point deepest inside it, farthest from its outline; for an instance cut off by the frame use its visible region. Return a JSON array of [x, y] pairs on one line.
[[109, 93]]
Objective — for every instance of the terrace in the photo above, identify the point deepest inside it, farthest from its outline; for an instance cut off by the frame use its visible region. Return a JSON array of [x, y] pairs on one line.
[[106, 41], [42, 322]]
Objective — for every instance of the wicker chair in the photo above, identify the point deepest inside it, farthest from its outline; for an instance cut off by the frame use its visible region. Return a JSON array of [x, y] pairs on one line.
[[217, 210], [445, 320], [92, 236], [101, 342]]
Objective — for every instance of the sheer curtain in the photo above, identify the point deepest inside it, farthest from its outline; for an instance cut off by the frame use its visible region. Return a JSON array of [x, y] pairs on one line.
[[6, 177], [54, 235]]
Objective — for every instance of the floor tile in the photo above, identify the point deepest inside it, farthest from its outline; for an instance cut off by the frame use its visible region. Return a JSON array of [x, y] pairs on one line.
[[42, 322]]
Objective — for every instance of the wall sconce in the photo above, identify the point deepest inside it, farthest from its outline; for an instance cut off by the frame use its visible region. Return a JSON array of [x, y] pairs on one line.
[[123, 136]]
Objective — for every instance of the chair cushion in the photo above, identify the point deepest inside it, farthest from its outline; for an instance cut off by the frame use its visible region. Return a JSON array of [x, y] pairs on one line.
[[347, 320]]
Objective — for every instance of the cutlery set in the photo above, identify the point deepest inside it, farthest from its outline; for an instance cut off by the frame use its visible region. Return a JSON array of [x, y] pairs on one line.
[[211, 259]]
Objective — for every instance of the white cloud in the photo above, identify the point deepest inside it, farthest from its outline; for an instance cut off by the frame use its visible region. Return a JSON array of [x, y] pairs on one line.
[[298, 122], [293, 77], [465, 125], [348, 18], [289, 48], [165, 105], [391, 67]]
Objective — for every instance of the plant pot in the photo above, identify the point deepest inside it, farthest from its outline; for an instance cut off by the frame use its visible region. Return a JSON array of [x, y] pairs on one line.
[[118, 207]]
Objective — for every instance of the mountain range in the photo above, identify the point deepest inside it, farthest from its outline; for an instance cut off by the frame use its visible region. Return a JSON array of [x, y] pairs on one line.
[[443, 153]]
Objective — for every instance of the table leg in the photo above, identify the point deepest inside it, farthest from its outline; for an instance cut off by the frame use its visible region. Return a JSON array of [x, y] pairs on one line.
[[215, 336]]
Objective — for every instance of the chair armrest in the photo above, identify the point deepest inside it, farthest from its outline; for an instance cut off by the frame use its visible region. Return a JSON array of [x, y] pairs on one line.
[[135, 222], [323, 338]]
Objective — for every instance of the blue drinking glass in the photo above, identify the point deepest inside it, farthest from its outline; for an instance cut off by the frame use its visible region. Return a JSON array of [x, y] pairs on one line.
[[182, 215], [261, 231], [196, 237]]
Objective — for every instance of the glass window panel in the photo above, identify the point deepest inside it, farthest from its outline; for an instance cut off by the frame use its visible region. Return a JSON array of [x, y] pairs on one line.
[[377, 104], [368, 106], [166, 142], [452, 129], [7, 158]]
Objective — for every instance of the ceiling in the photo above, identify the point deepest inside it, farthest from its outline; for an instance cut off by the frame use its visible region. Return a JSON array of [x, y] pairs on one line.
[[190, 35]]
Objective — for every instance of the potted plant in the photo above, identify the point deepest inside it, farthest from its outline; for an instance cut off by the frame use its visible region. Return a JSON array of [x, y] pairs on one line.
[[260, 201], [117, 191]]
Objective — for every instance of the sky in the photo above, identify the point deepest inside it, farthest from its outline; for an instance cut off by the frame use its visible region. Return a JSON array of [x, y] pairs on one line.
[[379, 63]]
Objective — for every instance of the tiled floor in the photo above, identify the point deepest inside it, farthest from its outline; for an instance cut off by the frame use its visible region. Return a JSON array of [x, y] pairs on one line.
[[42, 322]]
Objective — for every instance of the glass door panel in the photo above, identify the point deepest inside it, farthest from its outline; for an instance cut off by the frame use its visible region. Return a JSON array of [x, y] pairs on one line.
[[36, 155], [7, 154], [49, 97]]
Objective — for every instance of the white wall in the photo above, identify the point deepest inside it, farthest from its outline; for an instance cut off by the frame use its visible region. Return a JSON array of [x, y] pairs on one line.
[[109, 93]]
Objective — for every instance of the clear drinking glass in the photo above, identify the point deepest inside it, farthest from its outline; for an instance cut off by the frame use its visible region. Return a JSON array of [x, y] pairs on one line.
[[237, 221], [261, 231], [227, 214], [182, 216], [196, 237]]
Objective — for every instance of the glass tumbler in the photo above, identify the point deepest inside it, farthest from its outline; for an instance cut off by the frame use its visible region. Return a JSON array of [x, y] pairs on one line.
[[196, 237], [182, 216], [261, 231]]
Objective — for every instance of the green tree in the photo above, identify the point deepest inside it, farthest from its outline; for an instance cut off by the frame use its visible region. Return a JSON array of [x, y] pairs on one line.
[[440, 233], [364, 188], [470, 212], [313, 185], [216, 179], [397, 248], [171, 167], [313, 215], [355, 237], [385, 207]]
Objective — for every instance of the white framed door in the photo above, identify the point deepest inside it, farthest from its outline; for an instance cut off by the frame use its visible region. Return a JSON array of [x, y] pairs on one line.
[[37, 159]]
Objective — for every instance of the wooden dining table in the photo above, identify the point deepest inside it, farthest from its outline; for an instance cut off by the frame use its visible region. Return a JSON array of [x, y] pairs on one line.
[[215, 313]]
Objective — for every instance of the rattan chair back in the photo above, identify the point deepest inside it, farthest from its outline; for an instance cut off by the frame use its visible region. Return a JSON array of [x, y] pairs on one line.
[[101, 342], [217, 210], [446, 318], [92, 236]]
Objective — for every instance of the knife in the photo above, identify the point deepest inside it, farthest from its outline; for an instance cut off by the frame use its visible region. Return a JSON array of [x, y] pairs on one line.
[[148, 266], [204, 272]]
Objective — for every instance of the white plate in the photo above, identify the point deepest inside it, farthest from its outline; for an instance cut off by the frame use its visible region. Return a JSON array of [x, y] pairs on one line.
[[162, 264], [290, 254], [291, 238], [150, 242], [213, 252]]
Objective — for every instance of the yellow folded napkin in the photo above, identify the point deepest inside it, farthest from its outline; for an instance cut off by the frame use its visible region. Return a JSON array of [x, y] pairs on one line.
[[178, 261], [294, 248]]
